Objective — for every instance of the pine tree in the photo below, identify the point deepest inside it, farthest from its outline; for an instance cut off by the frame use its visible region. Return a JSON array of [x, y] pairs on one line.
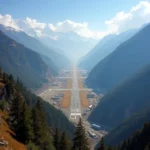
[[56, 139], [102, 145], [15, 112], [64, 142], [9, 89], [26, 127], [1, 73], [42, 136], [80, 141], [37, 127], [5, 77], [110, 148], [11, 78]]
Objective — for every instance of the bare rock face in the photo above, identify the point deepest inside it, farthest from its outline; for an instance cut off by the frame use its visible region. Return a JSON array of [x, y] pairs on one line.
[[3, 143]]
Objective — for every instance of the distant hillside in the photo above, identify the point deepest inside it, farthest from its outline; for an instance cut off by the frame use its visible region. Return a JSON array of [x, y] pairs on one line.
[[140, 140], [74, 45], [124, 100], [123, 62], [103, 48], [128, 127], [59, 60], [23, 63]]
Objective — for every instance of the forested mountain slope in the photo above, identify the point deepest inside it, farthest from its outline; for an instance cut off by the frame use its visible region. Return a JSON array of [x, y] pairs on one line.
[[127, 98], [122, 63], [103, 48], [59, 60], [33, 124], [127, 128], [23, 63], [140, 140]]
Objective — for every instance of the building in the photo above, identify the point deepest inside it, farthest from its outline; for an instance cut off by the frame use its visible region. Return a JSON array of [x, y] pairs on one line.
[[90, 95], [96, 127], [91, 134]]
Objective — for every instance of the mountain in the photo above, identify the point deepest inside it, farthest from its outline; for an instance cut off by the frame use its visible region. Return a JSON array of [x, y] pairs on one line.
[[123, 62], [127, 128], [74, 45], [103, 48], [30, 120], [138, 141], [59, 59], [23, 63], [126, 99]]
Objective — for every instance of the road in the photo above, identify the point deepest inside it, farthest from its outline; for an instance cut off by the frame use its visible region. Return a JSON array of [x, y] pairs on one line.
[[75, 108]]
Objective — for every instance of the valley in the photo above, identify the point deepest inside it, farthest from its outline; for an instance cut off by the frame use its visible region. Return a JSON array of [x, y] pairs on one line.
[[69, 94]]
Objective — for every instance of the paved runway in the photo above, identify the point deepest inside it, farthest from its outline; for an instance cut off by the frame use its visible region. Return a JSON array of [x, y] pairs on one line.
[[75, 108]]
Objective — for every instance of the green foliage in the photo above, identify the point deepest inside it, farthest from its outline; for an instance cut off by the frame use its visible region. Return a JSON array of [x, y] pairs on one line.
[[32, 146], [110, 148], [127, 127], [102, 145], [3, 104], [124, 61], [42, 136], [62, 122], [64, 142], [80, 140], [29, 122], [56, 139], [9, 89], [22, 62], [124, 100], [15, 113], [26, 125], [139, 141], [1, 73], [106, 46]]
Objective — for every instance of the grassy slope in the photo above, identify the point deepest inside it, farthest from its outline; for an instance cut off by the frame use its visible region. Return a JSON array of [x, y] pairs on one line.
[[7, 134]]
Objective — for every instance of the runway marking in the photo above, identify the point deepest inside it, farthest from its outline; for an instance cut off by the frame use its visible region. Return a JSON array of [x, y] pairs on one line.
[[74, 115]]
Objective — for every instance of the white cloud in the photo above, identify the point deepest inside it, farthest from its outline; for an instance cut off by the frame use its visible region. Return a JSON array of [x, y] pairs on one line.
[[33, 24], [79, 28], [135, 18], [8, 21]]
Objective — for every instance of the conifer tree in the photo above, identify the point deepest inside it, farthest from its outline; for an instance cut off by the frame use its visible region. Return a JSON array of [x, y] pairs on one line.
[[110, 148], [26, 125], [42, 136], [9, 89], [5, 77], [56, 139], [102, 145], [1, 73], [11, 78], [64, 142], [80, 141], [15, 112]]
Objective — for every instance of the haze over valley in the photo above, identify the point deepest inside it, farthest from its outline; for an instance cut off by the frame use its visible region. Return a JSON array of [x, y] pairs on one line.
[[75, 75]]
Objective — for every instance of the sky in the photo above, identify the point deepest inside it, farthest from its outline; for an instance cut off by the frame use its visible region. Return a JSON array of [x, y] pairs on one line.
[[87, 18]]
